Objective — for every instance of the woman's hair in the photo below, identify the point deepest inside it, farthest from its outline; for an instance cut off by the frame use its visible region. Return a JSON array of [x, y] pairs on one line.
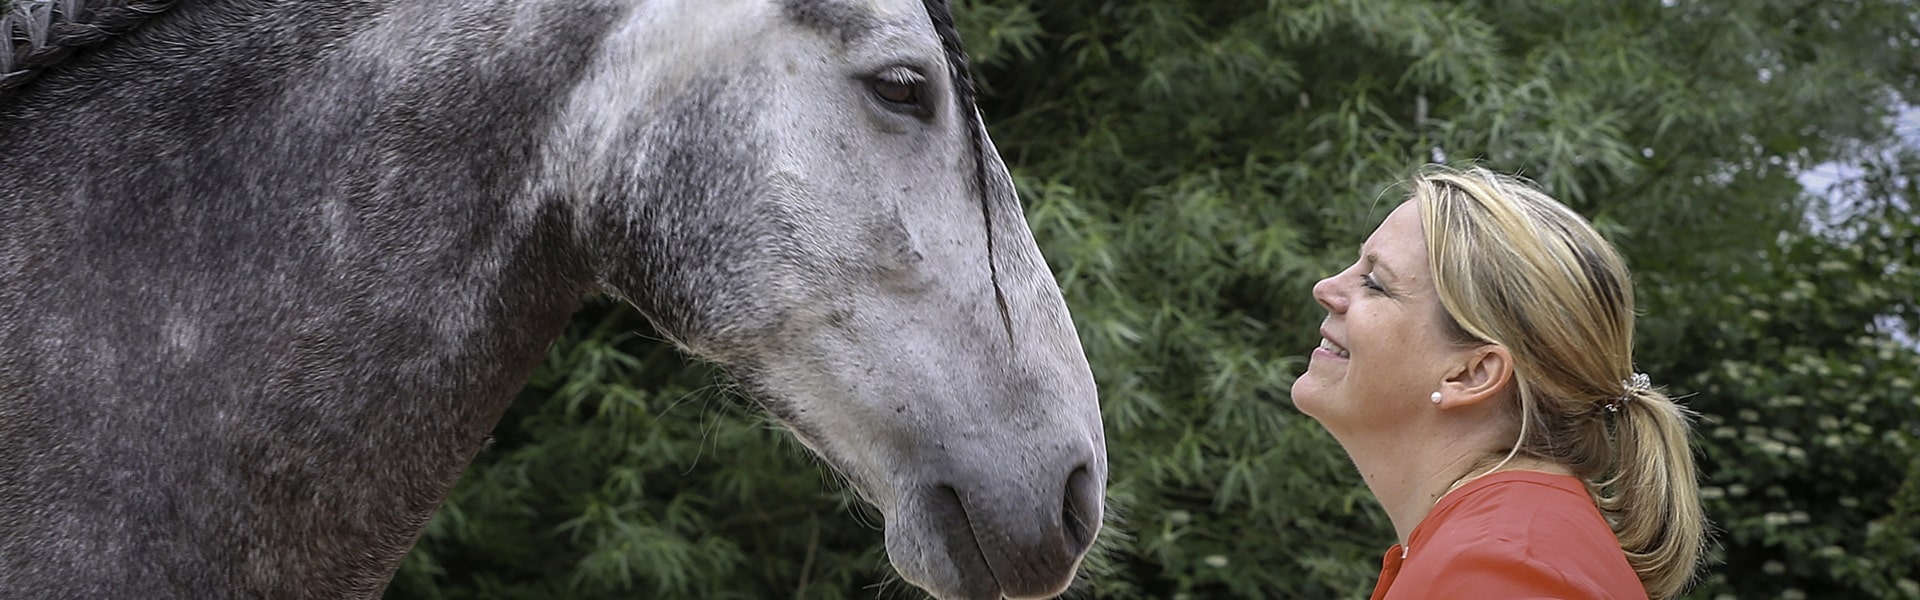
[[1514, 267]]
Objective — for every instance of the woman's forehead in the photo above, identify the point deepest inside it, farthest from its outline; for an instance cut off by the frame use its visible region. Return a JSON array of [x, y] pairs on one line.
[[1398, 239]]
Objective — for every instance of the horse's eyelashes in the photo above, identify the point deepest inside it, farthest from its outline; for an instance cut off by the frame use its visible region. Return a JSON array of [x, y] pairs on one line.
[[902, 75]]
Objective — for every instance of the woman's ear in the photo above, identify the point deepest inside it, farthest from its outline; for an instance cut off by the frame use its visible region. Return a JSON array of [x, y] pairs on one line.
[[1481, 374]]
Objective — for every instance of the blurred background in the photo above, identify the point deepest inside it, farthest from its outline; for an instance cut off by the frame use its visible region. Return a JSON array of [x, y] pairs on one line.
[[1190, 168]]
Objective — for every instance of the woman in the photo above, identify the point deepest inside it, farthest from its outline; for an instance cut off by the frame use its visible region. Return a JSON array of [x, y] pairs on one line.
[[1476, 364]]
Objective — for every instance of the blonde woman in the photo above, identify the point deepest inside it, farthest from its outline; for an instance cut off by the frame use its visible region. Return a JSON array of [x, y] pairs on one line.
[[1477, 365]]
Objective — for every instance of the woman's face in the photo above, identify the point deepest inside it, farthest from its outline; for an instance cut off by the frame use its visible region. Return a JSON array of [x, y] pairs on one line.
[[1383, 343]]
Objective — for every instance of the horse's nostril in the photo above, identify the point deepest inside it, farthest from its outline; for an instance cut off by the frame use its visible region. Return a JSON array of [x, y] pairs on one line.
[[1080, 516], [949, 514]]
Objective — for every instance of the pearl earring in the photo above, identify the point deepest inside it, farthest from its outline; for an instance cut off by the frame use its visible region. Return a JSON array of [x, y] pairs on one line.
[[1435, 397]]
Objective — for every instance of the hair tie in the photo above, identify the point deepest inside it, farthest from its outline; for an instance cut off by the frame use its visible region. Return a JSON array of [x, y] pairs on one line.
[[1639, 382]]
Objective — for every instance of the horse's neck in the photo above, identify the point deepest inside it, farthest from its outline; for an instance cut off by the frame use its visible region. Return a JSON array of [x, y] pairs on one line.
[[268, 300], [311, 142]]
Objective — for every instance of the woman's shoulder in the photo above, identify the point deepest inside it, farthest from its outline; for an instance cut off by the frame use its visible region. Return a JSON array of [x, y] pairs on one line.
[[1498, 497], [1518, 534], [1512, 509]]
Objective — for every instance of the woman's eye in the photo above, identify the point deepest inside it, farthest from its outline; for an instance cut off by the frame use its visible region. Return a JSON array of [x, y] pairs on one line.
[[1369, 282]]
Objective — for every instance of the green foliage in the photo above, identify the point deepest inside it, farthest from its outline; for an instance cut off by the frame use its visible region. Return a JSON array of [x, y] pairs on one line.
[[1808, 395], [1191, 168]]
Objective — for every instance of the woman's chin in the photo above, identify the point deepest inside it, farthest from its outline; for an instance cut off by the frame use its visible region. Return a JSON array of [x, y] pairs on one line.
[[1307, 394]]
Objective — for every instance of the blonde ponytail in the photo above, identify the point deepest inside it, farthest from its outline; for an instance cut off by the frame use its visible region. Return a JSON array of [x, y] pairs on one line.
[[1652, 498]]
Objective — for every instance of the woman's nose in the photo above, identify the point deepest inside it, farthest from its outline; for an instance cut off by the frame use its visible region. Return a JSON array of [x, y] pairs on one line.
[[1325, 293]]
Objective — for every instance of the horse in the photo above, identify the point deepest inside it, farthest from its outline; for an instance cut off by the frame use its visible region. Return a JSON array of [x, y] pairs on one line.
[[272, 270]]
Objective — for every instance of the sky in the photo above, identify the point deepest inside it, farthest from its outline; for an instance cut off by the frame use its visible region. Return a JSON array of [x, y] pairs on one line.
[[1826, 179], [1823, 178]]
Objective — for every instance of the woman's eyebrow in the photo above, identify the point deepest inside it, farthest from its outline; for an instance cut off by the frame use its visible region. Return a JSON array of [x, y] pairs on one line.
[[1379, 265]]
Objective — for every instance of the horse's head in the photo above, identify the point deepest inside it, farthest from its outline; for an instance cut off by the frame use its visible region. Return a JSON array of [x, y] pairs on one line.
[[802, 192]]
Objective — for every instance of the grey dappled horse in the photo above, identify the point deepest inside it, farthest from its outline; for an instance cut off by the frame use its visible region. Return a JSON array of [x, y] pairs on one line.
[[270, 270]]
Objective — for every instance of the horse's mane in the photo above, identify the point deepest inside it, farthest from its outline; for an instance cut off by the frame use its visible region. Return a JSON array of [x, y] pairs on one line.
[[35, 34]]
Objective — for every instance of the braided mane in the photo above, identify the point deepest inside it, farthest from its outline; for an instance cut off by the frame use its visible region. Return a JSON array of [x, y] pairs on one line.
[[35, 34]]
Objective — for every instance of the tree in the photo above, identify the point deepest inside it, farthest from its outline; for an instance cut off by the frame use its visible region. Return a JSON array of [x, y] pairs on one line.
[[1191, 168]]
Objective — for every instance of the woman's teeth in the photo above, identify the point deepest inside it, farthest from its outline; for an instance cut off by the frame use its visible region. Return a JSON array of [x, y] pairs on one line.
[[1328, 345]]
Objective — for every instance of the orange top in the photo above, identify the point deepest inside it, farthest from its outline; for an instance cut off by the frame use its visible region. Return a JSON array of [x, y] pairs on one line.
[[1512, 534]]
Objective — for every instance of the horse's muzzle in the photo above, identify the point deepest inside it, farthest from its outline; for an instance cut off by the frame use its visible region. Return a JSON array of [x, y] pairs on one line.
[[1001, 542]]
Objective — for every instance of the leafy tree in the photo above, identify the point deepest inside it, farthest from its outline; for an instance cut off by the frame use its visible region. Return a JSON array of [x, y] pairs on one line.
[[1191, 168], [1813, 463]]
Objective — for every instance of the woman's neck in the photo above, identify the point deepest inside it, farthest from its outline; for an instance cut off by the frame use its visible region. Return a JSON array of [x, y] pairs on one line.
[[1410, 480]]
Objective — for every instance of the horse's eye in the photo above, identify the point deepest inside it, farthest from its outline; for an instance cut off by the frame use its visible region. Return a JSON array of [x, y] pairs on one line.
[[898, 93], [902, 90]]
